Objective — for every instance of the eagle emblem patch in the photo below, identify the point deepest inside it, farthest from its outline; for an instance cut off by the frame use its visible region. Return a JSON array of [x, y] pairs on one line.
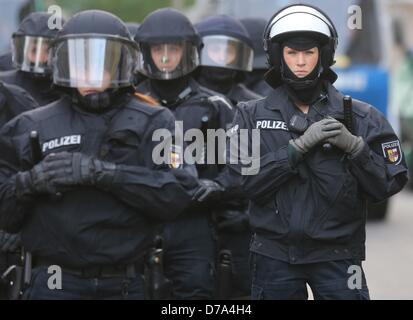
[[392, 152]]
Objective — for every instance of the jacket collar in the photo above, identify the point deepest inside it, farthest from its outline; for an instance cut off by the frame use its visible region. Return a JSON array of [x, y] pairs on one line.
[[335, 102], [146, 89], [278, 100]]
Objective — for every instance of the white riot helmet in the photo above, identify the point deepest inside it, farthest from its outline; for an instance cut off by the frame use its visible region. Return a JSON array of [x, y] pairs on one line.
[[300, 20]]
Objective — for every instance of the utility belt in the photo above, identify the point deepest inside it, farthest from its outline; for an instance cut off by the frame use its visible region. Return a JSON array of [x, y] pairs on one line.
[[130, 271]]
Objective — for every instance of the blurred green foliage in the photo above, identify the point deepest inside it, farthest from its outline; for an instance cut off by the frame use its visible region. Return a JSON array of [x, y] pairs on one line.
[[127, 10]]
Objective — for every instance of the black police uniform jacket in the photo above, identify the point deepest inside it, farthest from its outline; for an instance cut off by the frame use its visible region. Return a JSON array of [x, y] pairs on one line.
[[316, 211], [240, 93], [40, 89], [14, 101], [88, 226], [261, 87], [198, 103]]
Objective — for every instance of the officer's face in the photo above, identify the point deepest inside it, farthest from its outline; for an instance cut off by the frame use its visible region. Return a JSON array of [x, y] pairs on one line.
[[38, 53], [301, 63], [221, 53], [166, 56], [84, 90]]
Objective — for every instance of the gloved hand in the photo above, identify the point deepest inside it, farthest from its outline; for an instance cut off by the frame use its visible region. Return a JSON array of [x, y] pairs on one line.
[[207, 190], [316, 133], [9, 242], [232, 220], [347, 142], [77, 169], [38, 180]]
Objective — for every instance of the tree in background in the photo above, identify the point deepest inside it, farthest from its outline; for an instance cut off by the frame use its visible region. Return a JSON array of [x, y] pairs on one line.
[[127, 10]]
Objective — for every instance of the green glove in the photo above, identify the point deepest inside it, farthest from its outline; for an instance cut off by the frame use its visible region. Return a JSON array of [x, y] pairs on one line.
[[317, 133], [347, 142]]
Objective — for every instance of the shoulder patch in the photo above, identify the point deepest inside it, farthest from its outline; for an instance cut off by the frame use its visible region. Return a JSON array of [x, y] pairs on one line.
[[175, 160], [392, 152]]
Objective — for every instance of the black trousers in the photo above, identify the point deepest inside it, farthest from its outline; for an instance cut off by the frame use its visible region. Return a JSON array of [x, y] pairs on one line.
[[333, 280]]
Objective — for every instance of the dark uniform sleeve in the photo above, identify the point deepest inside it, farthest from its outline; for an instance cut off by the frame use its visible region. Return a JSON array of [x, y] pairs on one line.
[[14, 101], [160, 191], [14, 153], [21, 100], [267, 171], [380, 167], [226, 178]]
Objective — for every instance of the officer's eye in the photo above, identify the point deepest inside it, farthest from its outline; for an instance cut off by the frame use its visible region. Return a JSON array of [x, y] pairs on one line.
[[309, 52], [156, 49], [291, 52], [174, 49]]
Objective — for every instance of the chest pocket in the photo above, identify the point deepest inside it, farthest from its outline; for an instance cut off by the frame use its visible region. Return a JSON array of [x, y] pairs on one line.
[[122, 146]]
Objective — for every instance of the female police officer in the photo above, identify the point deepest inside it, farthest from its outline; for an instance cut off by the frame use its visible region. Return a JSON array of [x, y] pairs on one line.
[[170, 49], [95, 149], [308, 196], [31, 43], [226, 56]]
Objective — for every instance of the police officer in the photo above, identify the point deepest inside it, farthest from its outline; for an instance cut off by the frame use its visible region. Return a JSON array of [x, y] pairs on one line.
[[170, 49], [91, 203], [30, 44], [308, 196], [255, 80], [226, 55], [13, 101]]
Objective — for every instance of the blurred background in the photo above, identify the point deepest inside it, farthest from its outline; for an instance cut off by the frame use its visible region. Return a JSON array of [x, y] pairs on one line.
[[374, 64]]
